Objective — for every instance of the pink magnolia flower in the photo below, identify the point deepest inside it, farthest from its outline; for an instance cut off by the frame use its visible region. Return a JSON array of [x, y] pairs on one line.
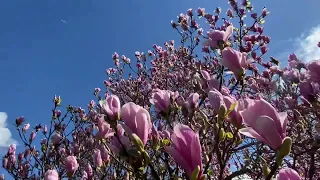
[[265, 123], [216, 36], [234, 115], [56, 138], [12, 149], [293, 57], [104, 154], [288, 174], [104, 128], [89, 170], [115, 145], [192, 100], [234, 60], [32, 136], [19, 120], [186, 149], [161, 100], [26, 127], [309, 89], [137, 119], [97, 158], [314, 70], [215, 99], [71, 165], [51, 175], [111, 106], [212, 82]]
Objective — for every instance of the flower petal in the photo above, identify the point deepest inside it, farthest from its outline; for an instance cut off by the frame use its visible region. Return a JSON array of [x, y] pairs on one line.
[[196, 152], [179, 160], [267, 128], [228, 33], [251, 133]]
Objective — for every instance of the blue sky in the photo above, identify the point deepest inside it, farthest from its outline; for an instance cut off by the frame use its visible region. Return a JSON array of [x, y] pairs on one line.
[[41, 56]]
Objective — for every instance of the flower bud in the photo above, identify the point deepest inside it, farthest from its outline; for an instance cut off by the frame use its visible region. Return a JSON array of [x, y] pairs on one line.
[[137, 141], [229, 13], [284, 149], [222, 112], [195, 173], [266, 170], [222, 135]]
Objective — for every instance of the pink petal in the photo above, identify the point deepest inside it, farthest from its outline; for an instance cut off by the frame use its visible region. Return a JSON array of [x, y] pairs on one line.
[[228, 33], [252, 134], [182, 137], [128, 112], [179, 160], [267, 128], [288, 174], [283, 121], [205, 75], [143, 124], [196, 152]]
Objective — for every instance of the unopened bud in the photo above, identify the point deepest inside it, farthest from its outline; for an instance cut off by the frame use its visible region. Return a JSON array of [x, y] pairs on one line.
[[285, 149], [222, 135], [195, 173], [137, 141], [222, 112], [266, 170]]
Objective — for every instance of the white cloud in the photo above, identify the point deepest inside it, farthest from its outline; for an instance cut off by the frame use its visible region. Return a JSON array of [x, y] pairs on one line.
[[243, 177], [306, 45], [5, 133]]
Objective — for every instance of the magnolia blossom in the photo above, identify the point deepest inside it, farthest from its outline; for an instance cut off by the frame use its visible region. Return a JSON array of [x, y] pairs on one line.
[[192, 100], [161, 100], [115, 145], [288, 174], [111, 106], [186, 149], [234, 60], [97, 158], [215, 36], [104, 154], [309, 89], [88, 170], [56, 138], [265, 123], [137, 120], [71, 165], [234, 115], [212, 82], [314, 70], [215, 99], [105, 130], [51, 175]]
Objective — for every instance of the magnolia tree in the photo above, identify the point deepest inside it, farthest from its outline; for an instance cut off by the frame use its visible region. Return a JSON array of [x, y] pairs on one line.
[[211, 107]]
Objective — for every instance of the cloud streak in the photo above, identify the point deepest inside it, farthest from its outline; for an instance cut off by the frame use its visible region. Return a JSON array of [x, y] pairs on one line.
[[306, 45], [5, 133]]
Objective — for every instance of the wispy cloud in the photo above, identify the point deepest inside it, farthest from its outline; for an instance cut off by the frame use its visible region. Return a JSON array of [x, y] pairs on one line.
[[304, 46], [5, 133]]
